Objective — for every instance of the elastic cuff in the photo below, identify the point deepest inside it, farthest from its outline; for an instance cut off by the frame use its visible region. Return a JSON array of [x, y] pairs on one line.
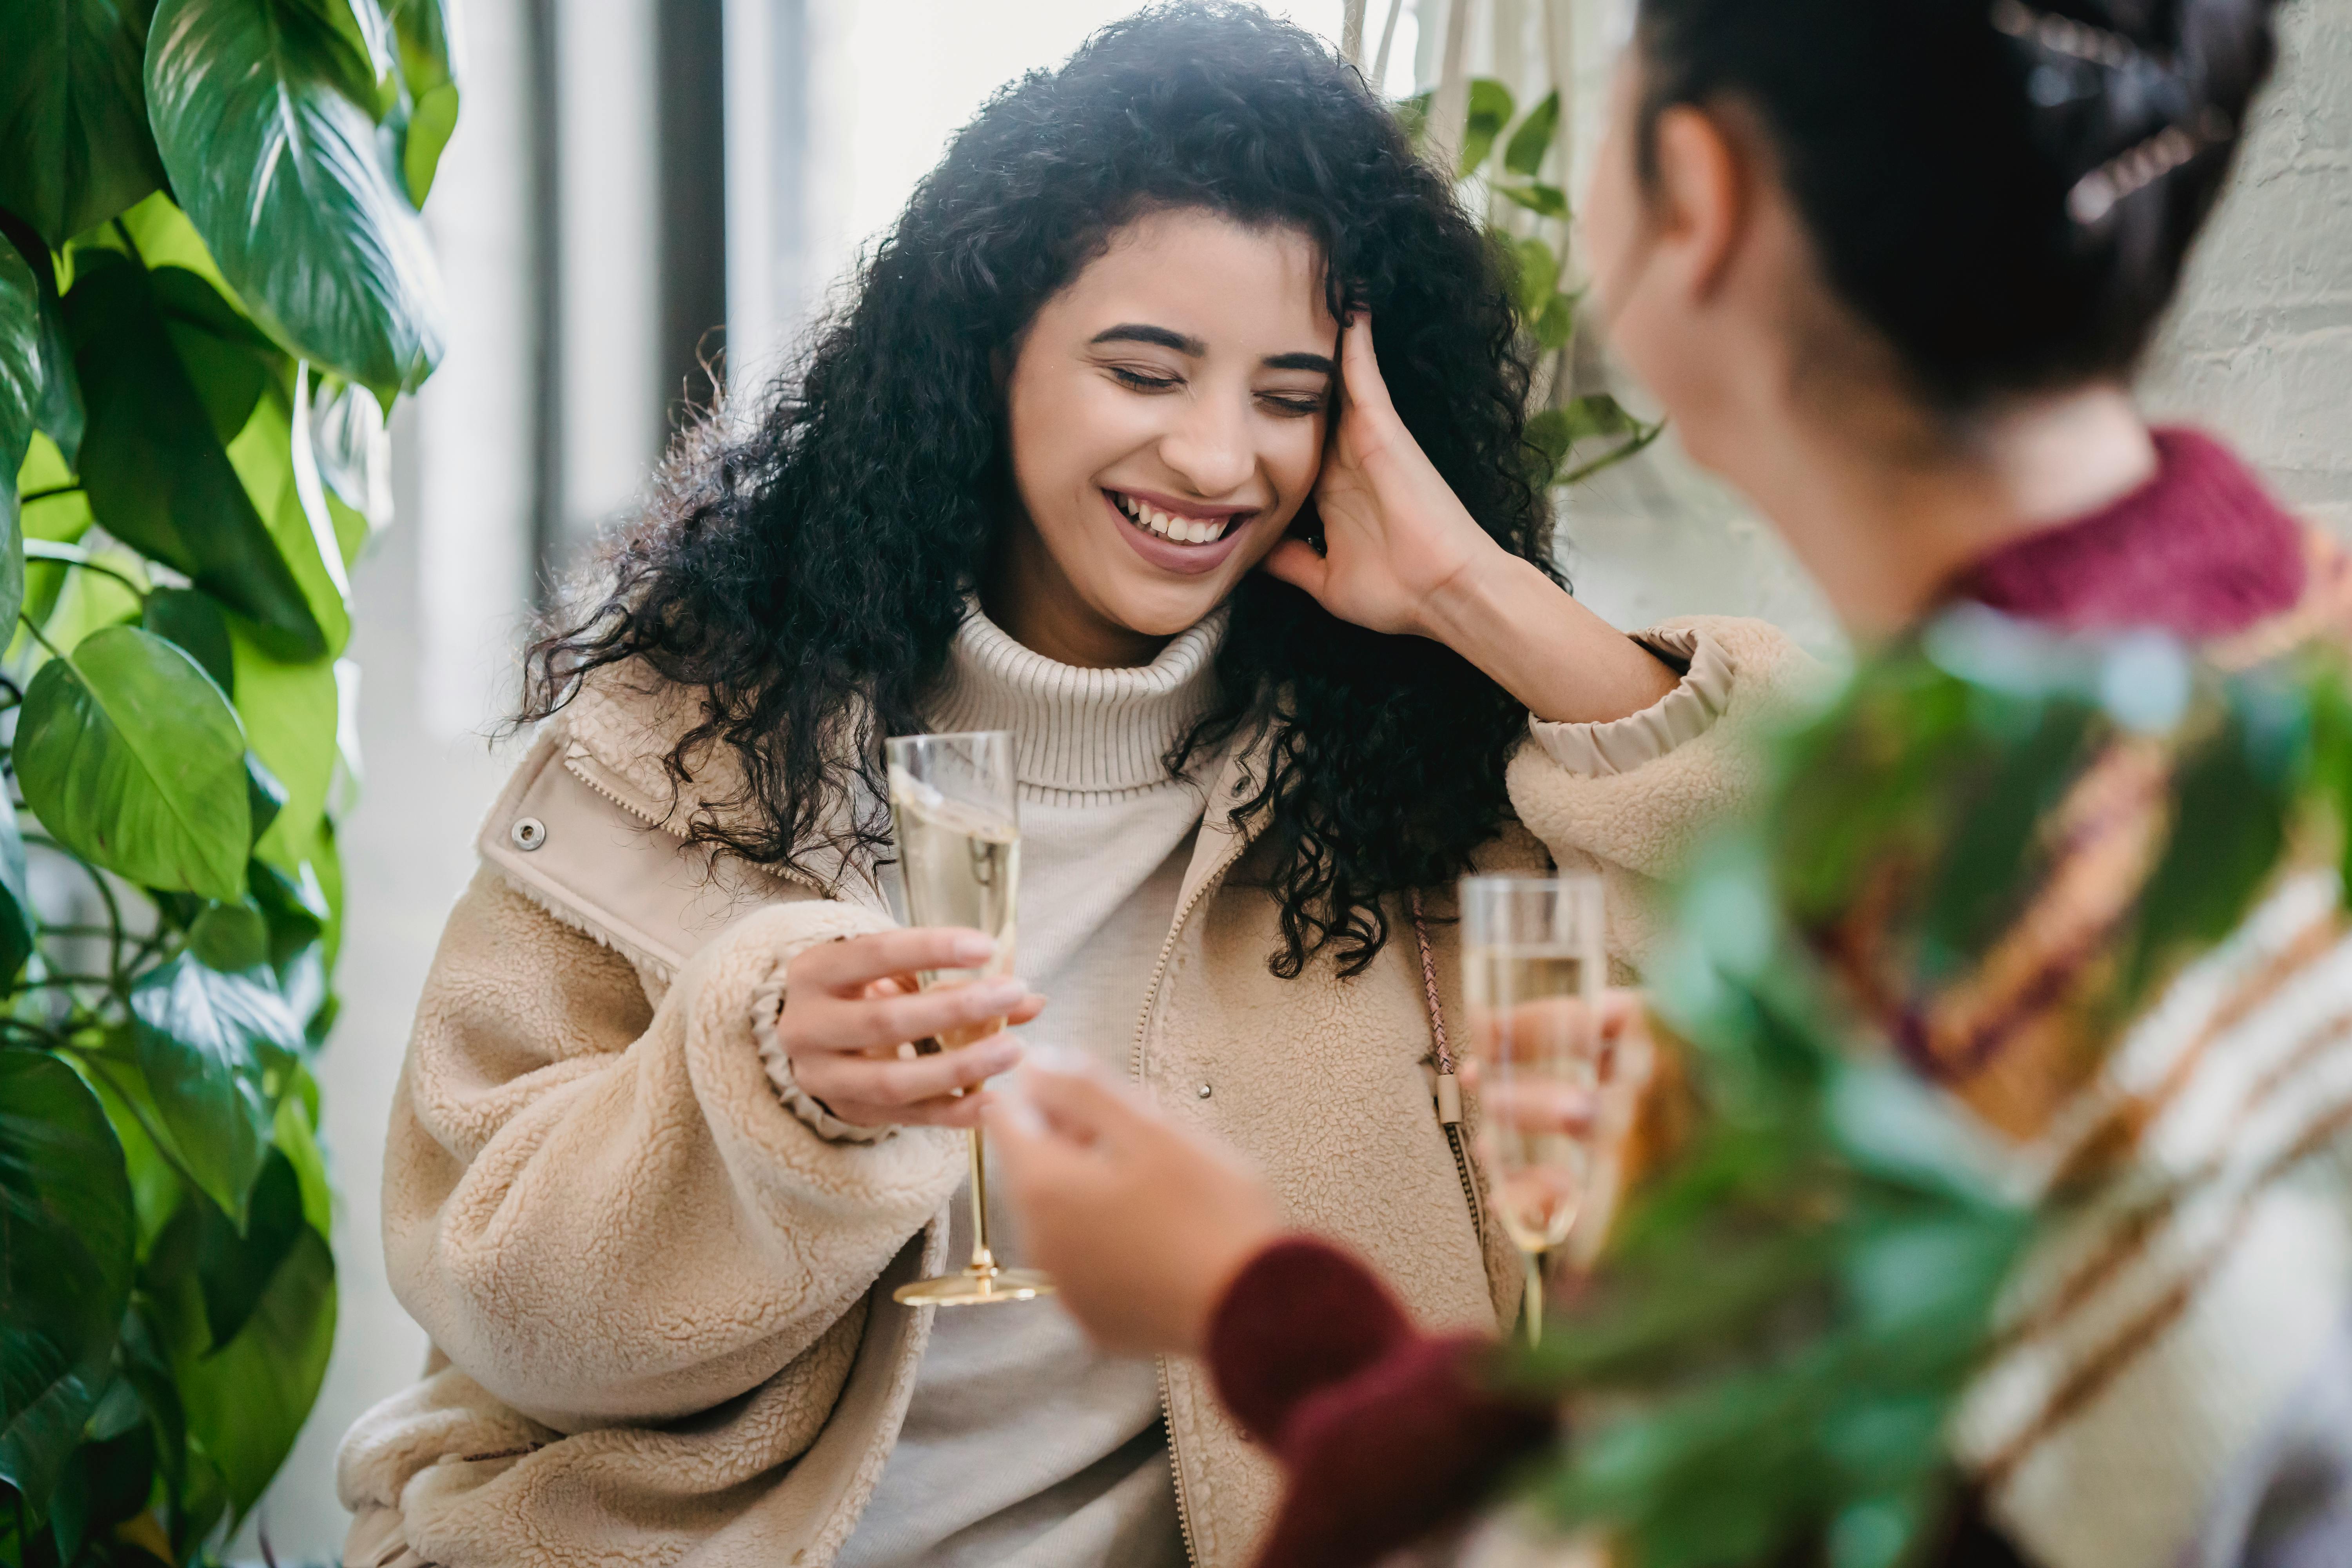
[[1301, 1316], [767, 1003], [1681, 716]]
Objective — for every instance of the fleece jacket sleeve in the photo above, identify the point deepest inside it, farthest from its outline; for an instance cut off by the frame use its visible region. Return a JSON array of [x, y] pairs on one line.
[[602, 1211], [1633, 798]]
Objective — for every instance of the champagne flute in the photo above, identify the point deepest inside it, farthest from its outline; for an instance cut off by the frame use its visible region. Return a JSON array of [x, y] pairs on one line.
[[960, 851], [1532, 971]]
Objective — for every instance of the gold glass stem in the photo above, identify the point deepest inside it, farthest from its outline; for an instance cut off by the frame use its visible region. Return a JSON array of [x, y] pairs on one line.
[[984, 1261], [1531, 1300]]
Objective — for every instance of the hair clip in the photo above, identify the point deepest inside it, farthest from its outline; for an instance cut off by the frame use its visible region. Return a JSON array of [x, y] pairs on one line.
[[2136, 168], [2063, 35]]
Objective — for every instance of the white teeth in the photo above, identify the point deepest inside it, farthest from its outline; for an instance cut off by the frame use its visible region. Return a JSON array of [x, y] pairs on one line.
[[1167, 525]]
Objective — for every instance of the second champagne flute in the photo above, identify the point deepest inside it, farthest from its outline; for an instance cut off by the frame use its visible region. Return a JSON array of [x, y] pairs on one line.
[[1532, 971], [953, 800]]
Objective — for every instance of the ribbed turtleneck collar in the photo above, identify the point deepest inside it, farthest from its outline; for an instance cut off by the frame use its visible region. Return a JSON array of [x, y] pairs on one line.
[[1082, 730]]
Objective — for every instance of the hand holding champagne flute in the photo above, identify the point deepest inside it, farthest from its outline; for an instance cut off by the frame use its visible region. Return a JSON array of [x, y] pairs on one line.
[[953, 800], [1533, 969]]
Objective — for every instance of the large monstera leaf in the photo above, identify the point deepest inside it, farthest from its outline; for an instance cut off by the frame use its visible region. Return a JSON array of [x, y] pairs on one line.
[[66, 1234], [134, 759], [72, 116], [261, 111]]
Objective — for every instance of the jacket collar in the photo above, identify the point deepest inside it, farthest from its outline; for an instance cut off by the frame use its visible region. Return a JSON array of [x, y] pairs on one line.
[[625, 720], [621, 729]]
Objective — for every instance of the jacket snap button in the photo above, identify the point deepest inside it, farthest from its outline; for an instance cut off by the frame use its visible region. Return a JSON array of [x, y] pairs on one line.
[[528, 833], [1202, 1091]]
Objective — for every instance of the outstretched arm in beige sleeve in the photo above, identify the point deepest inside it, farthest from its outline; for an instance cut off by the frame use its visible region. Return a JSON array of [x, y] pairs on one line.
[[603, 1211], [1633, 796]]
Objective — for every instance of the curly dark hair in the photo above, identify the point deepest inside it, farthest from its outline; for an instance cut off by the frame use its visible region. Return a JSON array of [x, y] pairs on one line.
[[807, 572]]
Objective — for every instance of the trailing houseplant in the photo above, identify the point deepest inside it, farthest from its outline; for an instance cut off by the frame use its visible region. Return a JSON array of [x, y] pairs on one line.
[[1503, 158], [214, 283]]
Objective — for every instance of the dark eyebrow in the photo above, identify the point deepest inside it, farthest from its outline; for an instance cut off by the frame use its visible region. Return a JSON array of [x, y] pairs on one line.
[[1316, 363], [1140, 333]]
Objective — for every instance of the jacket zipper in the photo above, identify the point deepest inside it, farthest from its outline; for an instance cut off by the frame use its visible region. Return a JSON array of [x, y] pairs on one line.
[[1135, 1072], [650, 820]]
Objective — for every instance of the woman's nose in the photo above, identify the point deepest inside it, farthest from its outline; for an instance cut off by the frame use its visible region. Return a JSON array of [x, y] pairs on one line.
[[1210, 447]]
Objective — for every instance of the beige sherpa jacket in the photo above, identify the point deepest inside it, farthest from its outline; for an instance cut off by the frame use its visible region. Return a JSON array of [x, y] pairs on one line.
[[660, 1298]]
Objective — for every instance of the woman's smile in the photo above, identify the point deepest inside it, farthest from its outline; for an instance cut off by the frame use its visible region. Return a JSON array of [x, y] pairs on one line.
[[1178, 536]]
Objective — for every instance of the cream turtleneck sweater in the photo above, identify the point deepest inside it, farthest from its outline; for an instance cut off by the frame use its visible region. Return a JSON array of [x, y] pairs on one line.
[[1023, 1446]]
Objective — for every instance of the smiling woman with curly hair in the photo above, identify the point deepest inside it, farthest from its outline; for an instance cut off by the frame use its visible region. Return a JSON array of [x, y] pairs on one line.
[[1176, 427]]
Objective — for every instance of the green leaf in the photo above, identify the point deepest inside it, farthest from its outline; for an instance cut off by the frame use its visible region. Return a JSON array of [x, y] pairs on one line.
[[368, 50], [129, 754], [247, 1401], [156, 1190], [258, 108], [1545, 201], [229, 361], [74, 120], [66, 1231], [297, 1136], [234, 1271], [1413, 117], [16, 901], [1490, 110], [1533, 139], [1537, 276], [216, 1050], [1550, 434], [21, 394], [191, 621], [58, 414], [155, 471], [91, 600], [290, 713], [2230, 818], [231, 938], [107, 1482], [163, 237], [428, 72], [285, 487], [354, 455], [1557, 324], [264, 794], [295, 906]]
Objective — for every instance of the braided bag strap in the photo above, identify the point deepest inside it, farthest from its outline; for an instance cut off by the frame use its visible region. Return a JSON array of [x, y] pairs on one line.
[[1449, 1084]]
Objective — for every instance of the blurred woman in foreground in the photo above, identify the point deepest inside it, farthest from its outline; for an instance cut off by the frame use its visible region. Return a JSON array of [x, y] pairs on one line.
[[1889, 269]]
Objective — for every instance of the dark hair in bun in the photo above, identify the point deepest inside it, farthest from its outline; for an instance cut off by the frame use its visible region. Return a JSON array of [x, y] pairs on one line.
[[2005, 189]]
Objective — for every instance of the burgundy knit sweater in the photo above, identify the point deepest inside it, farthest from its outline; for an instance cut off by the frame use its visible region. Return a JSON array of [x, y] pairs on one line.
[[1387, 1432]]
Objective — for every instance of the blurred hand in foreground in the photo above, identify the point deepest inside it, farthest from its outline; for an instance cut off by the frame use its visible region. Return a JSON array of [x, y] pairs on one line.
[[1624, 1059], [1605, 1119], [1143, 1224]]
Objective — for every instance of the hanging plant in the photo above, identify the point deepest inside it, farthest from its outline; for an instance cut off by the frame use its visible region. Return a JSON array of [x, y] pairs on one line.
[[1571, 436], [214, 283]]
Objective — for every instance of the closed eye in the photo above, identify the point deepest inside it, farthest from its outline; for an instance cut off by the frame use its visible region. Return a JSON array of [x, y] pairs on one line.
[[1142, 382], [1293, 405]]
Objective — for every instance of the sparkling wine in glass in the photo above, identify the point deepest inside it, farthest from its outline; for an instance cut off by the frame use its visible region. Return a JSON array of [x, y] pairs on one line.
[[956, 813], [1532, 972]]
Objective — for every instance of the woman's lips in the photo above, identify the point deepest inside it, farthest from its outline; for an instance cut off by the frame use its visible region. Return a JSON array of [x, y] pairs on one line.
[[1186, 560]]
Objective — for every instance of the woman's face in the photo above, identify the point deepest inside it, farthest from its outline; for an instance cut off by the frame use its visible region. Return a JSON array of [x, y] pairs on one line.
[[1166, 412]]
